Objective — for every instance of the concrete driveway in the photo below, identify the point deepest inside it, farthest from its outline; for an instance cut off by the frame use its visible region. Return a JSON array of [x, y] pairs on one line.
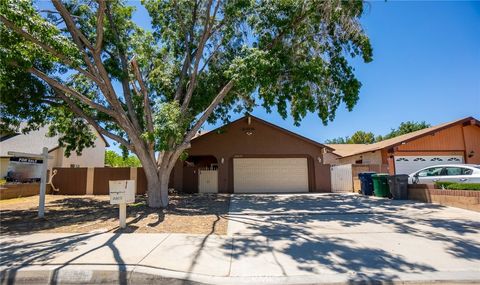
[[311, 234]]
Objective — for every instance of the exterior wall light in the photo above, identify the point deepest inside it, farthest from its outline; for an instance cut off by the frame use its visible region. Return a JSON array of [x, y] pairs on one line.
[[319, 159], [471, 154], [222, 160]]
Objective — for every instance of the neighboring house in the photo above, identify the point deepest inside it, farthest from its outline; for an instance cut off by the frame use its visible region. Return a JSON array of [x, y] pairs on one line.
[[341, 150], [33, 142], [453, 142], [250, 155]]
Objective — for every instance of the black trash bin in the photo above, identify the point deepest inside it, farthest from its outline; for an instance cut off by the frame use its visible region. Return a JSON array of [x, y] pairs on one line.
[[398, 186], [366, 183]]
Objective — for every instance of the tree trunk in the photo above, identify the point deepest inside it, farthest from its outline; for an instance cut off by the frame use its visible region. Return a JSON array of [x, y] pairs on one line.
[[157, 187], [154, 199], [158, 175]]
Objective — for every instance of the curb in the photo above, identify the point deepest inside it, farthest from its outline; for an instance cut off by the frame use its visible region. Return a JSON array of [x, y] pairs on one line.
[[137, 274]]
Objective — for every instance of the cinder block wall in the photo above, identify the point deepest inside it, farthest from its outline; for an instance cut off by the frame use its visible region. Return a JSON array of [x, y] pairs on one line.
[[464, 199]]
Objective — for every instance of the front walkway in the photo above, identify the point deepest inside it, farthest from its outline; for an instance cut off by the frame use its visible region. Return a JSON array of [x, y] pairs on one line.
[[308, 239]]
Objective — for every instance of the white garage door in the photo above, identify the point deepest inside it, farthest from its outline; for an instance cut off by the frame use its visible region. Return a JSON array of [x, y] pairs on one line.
[[270, 175], [410, 164]]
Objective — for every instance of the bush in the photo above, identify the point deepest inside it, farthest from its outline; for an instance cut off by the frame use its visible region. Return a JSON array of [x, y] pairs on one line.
[[443, 184], [458, 186], [465, 186]]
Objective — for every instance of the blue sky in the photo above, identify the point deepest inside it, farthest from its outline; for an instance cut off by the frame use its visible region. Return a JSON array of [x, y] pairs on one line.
[[426, 67]]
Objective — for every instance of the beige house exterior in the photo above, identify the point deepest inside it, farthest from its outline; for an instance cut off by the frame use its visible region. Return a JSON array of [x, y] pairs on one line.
[[33, 142]]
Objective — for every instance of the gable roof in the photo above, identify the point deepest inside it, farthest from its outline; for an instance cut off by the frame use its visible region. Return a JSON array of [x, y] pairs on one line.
[[347, 148], [268, 124], [32, 142], [411, 136]]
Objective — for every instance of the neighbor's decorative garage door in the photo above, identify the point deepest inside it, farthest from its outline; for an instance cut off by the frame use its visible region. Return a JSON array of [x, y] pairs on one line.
[[270, 175], [411, 164]]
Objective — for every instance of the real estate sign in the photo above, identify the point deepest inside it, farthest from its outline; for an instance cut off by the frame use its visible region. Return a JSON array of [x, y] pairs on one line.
[[122, 191]]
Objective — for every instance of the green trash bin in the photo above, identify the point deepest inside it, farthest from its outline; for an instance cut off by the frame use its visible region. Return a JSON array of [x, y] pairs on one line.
[[380, 185]]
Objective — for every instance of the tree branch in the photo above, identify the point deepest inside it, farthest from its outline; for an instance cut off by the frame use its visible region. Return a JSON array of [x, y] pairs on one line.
[[67, 17], [188, 55], [47, 48], [214, 52], [124, 63], [76, 94], [77, 110], [78, 38], [208, 111], [198, 56], [146, 102], [100, 16]]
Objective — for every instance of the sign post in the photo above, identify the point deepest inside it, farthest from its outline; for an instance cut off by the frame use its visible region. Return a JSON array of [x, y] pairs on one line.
[[43, 184], [122, 192], [43, 179]]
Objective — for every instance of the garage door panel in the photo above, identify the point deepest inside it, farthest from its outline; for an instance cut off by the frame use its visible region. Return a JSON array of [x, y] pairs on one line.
[[411, 164], [270, 175]]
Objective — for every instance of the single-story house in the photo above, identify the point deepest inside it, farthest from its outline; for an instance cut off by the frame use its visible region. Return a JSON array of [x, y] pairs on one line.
[[34, 142], [250, 155], [449, 143]]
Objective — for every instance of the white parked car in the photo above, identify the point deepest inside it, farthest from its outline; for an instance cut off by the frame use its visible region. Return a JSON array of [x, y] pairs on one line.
[[459, 173]]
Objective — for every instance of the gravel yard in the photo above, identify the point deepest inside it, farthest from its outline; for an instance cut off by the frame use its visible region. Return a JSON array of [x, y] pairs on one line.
[[193, 214]]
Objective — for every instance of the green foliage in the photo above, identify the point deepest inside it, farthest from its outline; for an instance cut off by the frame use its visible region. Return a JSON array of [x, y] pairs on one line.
[[113, 159], [339, 140], [362, 137], [359, 137], [169, 125], [405, 128], [458, 186], [293, 54]]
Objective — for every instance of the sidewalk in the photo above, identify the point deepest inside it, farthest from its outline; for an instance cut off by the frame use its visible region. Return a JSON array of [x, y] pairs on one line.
[[119, 258]]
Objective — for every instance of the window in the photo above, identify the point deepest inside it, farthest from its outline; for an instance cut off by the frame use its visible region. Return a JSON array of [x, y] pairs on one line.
[[433, 171], [453, 171], [458, 171]]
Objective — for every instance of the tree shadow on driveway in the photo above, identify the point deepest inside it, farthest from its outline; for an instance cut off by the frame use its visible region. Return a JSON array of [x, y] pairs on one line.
[[317, 233]]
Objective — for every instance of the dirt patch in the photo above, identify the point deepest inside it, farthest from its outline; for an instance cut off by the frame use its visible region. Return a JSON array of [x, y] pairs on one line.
[[194, 214]]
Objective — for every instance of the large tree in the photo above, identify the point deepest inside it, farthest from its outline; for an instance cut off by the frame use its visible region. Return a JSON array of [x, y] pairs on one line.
[[85, 62]]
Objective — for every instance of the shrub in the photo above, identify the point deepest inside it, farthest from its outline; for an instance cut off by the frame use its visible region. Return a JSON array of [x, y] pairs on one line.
[[458, 186], [465, 186], [443, 184]]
